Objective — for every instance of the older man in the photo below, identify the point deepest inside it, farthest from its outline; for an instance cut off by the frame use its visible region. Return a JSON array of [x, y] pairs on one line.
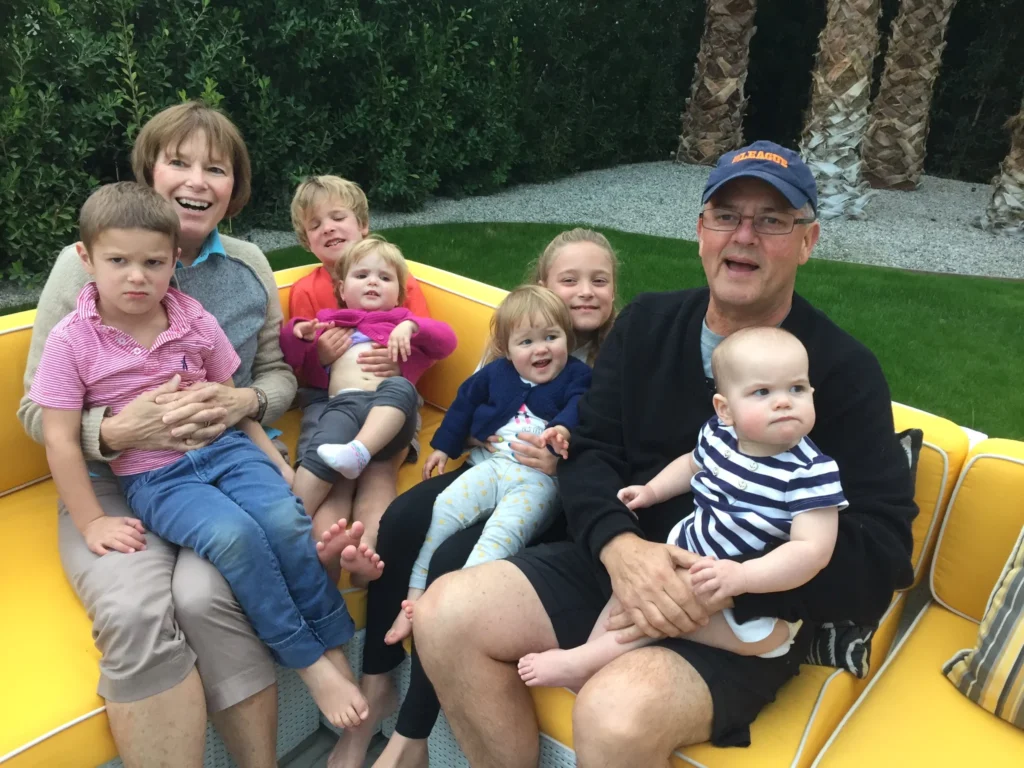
[[651, 393]]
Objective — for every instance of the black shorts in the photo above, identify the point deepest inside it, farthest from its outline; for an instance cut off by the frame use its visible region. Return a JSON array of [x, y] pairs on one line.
[[574, 592]]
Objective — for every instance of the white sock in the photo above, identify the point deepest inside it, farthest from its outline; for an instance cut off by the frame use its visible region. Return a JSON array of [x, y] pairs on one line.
[[350, 459]]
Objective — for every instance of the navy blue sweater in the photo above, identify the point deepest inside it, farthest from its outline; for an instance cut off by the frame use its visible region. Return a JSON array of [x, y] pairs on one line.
[[494, 394]]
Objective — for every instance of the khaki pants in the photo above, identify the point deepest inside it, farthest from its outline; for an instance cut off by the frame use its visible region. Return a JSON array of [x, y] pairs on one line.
[[157, 613]]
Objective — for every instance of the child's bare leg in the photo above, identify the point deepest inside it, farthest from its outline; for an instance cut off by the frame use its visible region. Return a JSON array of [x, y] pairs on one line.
[[718, 634], [310, 489], [573, 667], [402, 627], [376, 489], [382, 425], [335, 693], [331, 530]]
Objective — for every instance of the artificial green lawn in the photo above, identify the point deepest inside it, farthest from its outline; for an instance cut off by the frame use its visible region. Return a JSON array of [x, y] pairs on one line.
[[948, 344]]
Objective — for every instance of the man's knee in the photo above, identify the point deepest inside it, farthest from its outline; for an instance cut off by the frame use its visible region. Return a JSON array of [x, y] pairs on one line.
[[200, 593], [647, 702]]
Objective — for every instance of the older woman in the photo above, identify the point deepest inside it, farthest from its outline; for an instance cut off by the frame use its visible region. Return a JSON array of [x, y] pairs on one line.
[[175, 645]]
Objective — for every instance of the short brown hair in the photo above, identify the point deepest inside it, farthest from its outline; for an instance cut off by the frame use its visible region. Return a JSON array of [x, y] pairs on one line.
[[524, 302], [174, 125], [389, 252], [127, 205], [315, 189]]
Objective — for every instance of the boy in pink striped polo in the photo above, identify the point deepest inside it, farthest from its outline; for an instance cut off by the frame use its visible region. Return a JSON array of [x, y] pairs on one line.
[[130, 333]]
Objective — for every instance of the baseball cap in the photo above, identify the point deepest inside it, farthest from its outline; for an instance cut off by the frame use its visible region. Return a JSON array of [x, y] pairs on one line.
[[782, 168]]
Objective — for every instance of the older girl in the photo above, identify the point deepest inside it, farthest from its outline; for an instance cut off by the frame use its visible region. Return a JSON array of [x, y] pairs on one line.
[[580, 267]]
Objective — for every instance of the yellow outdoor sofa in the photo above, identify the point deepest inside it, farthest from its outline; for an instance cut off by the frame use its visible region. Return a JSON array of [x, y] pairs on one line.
[[52, 716], [911, 714]]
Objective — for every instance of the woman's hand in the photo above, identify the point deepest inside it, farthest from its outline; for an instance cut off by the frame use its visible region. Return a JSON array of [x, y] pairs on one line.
[[332, 344], [532, 452], [141, 424], [378, 362], [488, 446], [201, 408]]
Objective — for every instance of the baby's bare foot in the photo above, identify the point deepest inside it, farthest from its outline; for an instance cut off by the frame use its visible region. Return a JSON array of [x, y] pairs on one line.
[[402, 626], [336, 538], [339, 699], [554, 668], [362, 561]]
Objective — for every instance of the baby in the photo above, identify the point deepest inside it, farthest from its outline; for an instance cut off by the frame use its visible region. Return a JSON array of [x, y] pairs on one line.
[[757, 480], [367, 416], [532, 385]]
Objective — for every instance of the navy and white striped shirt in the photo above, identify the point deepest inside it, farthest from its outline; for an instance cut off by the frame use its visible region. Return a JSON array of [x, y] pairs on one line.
[[744, 503]]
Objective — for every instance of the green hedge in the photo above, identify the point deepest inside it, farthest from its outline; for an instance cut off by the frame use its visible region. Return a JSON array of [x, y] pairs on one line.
[[417, 98], [410, 99]]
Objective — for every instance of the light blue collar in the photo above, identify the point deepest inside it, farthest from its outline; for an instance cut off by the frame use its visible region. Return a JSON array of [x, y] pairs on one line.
[[212, 245]]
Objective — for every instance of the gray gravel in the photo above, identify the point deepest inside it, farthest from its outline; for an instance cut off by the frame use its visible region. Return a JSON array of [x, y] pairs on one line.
[[929, 229]]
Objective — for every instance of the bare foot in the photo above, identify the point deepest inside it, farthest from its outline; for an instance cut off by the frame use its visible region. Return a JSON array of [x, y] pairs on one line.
[[402, 626], [336, 538], [403, 752], [362, 561], [555, 668], [339, 699], [350, 751]]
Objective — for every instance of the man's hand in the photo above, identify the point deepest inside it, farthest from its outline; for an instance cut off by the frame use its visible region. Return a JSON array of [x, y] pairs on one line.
[[118, 534], [436, 460], [637, 497], [400, 341], [196, 410], [715, 580], [657, 600], [332, 344]]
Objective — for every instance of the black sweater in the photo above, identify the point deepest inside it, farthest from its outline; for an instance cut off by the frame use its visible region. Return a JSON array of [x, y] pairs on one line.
[[647, 403]]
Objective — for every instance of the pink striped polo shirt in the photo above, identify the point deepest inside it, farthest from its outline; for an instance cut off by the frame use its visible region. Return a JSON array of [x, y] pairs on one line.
[[86, 364]]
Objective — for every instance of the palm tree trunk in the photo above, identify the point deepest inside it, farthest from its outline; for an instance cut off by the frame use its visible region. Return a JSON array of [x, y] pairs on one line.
[[1006, 209], [713, 119], [838, 112], [897, 135]]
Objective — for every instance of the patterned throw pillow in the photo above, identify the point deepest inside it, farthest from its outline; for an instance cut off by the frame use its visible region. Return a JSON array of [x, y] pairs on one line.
[[992, 674], [844, 644]]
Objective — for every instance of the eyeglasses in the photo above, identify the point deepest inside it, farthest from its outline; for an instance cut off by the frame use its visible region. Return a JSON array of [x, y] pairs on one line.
[[773, 223]]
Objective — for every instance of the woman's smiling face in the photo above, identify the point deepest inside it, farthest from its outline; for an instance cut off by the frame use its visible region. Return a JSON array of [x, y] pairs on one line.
[[198, 183]]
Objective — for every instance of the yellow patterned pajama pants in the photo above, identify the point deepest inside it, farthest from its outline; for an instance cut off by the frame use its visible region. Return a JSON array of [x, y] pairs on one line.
[[518, 503]]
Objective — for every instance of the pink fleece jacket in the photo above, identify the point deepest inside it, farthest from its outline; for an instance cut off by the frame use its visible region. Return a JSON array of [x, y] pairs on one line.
[[434, 341]]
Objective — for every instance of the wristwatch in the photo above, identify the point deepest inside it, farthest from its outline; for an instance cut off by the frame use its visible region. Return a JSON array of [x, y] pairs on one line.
[[261, 404]]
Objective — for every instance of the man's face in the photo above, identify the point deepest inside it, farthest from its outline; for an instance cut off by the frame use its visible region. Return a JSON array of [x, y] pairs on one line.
[[746, 270]]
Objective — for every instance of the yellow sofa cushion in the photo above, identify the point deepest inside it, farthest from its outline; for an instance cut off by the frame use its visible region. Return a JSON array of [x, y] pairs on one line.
[[912, 716], [984, 518], [943, 452]]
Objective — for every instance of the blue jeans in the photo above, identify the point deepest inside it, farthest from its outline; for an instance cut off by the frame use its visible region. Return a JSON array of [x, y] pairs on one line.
[[229, 503]]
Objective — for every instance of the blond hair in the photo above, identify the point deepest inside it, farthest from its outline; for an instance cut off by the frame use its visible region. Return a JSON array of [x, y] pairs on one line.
[[315, 189], [540, 271], [354, 253], [526, 302], [729, 351], [169, 129], [127, 205]]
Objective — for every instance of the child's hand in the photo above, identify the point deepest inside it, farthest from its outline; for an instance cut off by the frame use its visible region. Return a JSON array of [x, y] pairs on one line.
[[118, 534], [400, 341], [306, 329], [715, 580], [436, 460], [558, 439], [637, 497]]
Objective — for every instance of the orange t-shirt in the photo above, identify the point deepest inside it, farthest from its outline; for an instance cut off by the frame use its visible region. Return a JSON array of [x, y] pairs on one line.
[[315, 291]]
